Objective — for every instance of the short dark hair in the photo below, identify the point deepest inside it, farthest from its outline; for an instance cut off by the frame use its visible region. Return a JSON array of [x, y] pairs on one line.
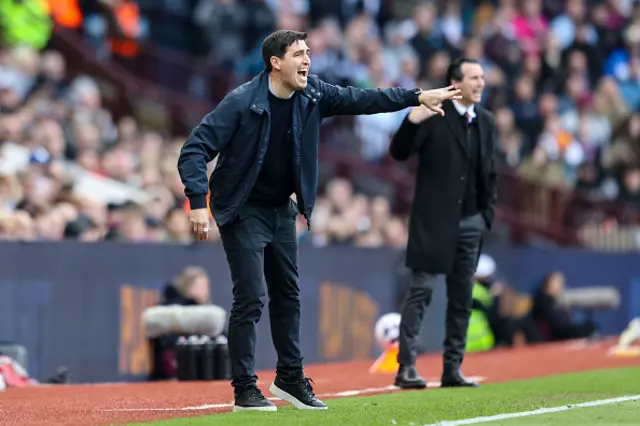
[[276, 44], [454, 72]]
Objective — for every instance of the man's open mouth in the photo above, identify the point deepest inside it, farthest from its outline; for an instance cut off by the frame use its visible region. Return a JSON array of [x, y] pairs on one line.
[[303, 73]]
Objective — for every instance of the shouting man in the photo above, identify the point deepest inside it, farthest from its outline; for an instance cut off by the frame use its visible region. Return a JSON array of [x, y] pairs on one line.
[[266, 133]]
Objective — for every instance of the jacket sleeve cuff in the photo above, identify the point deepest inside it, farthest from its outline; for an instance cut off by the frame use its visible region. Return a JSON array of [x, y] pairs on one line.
[[198, 202], [411, 97], [409, 124]]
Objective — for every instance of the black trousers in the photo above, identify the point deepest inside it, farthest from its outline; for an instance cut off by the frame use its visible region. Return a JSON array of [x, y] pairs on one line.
[[459, 299], [261, 245]]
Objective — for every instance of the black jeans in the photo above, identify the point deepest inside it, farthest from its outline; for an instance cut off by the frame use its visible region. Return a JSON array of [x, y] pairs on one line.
[[261, 245]]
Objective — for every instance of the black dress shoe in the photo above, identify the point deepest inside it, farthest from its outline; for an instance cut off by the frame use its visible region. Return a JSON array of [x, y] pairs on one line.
[[455, 379], [408, 378]]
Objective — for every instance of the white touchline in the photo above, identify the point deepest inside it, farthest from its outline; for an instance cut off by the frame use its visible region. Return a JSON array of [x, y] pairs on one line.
[[201, 407], [486, 419], [431, 384]]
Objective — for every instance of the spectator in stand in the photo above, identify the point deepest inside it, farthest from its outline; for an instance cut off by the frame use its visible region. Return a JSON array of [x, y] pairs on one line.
[[566, 26], [630, 191], [530, 26], [624, 64], [223, 22], [25, 23], [116, 27]]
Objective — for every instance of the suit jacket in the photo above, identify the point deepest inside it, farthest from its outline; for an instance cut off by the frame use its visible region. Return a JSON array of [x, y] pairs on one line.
[[440, 144]]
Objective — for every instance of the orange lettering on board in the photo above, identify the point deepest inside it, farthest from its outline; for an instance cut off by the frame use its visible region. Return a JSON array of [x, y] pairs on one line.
[[134, 356], [347, 319], [365, 313]]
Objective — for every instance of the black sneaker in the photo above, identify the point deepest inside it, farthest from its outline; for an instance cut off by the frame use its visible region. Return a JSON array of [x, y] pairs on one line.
[[298, 393], [251, 399]]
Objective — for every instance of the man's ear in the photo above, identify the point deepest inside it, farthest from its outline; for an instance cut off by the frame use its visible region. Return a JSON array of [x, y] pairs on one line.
[[275, 63]]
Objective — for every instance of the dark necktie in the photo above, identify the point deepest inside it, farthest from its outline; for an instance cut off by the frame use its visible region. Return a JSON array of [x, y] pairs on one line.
[[467, 123]]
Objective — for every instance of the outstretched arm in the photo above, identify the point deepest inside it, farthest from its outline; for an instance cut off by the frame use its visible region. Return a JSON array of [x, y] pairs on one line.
[[349, 100], [213, 133], [411, 134]]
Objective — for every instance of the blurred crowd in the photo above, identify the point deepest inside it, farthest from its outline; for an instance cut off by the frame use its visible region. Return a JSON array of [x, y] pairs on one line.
[[50, 128], [563, 79]]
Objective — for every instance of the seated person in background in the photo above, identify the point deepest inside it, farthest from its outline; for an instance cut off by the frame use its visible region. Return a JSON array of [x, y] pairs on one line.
[[511, 327], [552, 316], [494, 308], [191, 287]]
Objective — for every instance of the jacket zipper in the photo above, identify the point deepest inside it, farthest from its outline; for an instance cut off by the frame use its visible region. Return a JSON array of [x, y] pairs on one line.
[[300, 185], [304, 205]]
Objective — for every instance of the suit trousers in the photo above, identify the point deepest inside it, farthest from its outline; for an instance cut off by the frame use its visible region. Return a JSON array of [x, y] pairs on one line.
[[459, 298], [261, 246]]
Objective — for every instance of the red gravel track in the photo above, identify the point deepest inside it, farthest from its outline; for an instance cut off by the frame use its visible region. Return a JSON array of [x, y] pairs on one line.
[[89, 404]]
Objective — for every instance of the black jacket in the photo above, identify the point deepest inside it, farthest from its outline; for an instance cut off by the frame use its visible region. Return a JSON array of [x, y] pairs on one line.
[[171, 296], [238, 131], [439, 142]]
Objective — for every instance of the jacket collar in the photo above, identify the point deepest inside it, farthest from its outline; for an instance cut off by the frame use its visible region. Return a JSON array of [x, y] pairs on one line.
[[260, 87]]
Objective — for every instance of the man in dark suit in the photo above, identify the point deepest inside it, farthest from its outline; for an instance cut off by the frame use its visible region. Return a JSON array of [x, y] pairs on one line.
[[265, 134], [453, 207]]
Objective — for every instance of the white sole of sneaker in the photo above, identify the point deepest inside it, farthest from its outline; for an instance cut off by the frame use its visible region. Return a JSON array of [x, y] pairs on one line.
[[238, 408], [277, 392]]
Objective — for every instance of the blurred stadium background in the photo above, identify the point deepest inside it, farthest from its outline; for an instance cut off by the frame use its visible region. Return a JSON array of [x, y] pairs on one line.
[[97, 97]]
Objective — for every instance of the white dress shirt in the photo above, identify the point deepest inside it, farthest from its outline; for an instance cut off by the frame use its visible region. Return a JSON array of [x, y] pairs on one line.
[[463, 110]]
